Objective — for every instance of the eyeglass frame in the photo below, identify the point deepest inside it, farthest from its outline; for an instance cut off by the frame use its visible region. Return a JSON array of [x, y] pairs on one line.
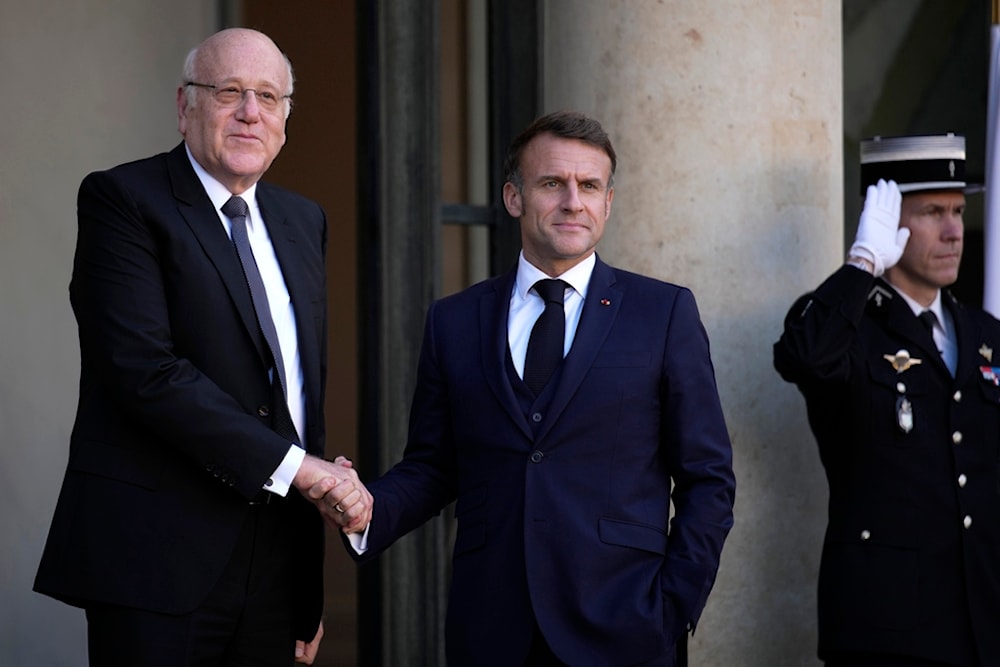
[[216, 89]]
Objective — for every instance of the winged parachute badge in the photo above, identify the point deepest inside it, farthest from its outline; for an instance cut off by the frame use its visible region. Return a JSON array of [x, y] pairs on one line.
[[902, 361]]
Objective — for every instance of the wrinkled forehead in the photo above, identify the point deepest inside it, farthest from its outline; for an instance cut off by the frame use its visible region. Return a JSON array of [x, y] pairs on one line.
[[247, 58]]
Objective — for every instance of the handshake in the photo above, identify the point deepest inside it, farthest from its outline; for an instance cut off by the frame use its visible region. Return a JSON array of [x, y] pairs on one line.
[[336, 490]]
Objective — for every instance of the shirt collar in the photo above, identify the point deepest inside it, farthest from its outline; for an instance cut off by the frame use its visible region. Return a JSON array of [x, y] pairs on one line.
[[935, 306], [216, 191], [577, 277]]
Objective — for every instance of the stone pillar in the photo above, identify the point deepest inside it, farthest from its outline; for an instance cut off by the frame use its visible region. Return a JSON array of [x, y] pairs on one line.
[[726, 117], [403, 595]]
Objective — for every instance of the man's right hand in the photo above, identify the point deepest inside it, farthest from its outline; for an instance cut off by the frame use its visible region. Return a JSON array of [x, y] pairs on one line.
[[880, 240], [336, 490]]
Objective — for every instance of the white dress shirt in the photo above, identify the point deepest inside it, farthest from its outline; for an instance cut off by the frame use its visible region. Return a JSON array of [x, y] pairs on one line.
[[282, 314], [526, 305]]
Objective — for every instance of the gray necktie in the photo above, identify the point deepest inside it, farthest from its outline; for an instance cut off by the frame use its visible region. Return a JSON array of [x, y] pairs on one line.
[[237, 210]]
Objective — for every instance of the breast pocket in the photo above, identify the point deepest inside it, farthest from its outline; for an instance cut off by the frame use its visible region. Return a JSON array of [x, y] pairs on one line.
[[898, 401]]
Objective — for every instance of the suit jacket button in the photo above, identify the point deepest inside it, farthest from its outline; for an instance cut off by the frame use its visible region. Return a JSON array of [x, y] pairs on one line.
[[537, 456], [263, 411], [536, 417]]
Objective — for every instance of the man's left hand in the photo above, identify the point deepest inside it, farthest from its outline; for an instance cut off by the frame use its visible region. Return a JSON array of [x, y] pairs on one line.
[[306, 653]]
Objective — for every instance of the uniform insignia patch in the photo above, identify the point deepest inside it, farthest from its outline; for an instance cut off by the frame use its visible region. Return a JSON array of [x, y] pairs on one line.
[[904, 414], [879, 294], [986, 352], [902, 360]]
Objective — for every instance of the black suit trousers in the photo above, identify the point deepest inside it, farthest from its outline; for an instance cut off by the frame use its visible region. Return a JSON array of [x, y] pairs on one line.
[[246, 621]]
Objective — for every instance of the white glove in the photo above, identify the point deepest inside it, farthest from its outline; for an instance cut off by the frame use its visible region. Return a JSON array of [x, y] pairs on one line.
[[880, 239]]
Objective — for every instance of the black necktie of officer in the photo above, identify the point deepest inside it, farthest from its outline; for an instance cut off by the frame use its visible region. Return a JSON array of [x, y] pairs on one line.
[[545, 346], [929, 319], [236, 210]]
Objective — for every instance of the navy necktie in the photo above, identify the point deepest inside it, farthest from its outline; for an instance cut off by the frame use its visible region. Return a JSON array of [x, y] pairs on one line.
[[545, 346], [237, 211]]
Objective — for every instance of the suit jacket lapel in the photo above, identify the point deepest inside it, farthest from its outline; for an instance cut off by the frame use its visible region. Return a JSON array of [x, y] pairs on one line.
[[285, 234], [600, 310], [199, 214]]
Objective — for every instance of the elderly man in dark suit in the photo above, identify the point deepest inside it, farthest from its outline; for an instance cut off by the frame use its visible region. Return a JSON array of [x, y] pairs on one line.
[[903, 399], [199, 292], [564, 469]]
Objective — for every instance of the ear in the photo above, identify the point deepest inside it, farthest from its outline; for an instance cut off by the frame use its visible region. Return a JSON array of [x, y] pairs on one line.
[[181, 110], [512, 200], [607, 203]]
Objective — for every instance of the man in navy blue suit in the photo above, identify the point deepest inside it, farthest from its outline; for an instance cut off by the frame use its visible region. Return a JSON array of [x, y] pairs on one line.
[[565, 551]]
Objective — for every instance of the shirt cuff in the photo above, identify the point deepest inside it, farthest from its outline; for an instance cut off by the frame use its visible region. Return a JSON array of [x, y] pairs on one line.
[[359, 542], [281, 478]]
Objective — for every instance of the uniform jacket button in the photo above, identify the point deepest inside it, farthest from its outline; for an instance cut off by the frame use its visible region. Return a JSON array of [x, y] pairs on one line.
[[263, 411], [967, 521], [956, 437], [865, 535], [537, 456]]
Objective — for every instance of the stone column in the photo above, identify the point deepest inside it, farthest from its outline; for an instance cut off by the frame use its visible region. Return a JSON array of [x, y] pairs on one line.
[[726, 117]]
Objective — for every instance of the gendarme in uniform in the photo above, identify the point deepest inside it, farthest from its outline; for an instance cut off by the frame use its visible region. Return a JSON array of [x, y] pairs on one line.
[[908, 427]]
